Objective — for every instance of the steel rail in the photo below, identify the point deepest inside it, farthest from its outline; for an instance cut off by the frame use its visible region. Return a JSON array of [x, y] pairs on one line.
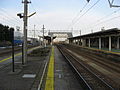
[[83, 81], [97, 77]]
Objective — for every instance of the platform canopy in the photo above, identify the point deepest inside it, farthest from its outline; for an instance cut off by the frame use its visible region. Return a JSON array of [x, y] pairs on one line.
[[109, 32]]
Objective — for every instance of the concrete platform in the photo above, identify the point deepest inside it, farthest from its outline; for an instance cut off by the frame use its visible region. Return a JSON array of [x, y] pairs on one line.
[[25, 77], [113, 55], [65, 79]]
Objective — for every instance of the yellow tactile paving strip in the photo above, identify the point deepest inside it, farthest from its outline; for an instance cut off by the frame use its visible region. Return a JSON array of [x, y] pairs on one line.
[[49, 85]]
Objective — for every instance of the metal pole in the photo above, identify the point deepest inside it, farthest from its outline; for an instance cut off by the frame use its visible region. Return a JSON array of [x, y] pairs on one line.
[[80, 32], [43, 35], [13, 68], [22, 54], [34, 31], [25, 30]]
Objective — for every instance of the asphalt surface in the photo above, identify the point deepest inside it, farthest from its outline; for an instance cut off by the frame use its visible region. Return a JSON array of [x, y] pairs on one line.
[[25, 76], [65, 79]]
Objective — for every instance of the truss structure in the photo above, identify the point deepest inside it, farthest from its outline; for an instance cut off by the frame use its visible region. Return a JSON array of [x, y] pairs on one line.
[[111, 3]]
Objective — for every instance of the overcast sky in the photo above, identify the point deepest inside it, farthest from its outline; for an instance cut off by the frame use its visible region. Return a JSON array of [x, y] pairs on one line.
[[62, 15]]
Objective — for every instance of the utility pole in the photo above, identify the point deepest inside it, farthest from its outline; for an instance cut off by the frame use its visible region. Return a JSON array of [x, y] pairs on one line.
[[25, 18], [34, 31], [43, 35], [80, 32], [91, 31]]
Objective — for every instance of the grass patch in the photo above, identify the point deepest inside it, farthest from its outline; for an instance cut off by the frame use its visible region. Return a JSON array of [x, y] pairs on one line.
[[40, 52]]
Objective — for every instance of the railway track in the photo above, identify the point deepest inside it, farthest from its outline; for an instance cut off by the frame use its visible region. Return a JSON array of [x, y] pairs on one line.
[[9, 50], [89, 79], [103, 61], [17, 51]]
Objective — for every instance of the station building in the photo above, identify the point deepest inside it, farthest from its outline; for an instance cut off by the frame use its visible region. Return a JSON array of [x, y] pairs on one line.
[[106, 39], [60, 36]]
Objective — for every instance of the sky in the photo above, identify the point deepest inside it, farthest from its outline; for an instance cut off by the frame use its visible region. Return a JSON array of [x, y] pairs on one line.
[[62, 15]]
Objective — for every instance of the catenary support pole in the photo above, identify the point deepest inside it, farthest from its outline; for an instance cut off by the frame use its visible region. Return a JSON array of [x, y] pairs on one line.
[[110, 42], [89, 42], [43, 35], [100, 43], [25, 18], [34, 31]]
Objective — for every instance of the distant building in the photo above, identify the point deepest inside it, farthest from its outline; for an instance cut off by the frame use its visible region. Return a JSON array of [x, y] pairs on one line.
[[60, 36]]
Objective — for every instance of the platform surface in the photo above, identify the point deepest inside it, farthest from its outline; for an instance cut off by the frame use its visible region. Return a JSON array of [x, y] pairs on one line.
[[65, 79]]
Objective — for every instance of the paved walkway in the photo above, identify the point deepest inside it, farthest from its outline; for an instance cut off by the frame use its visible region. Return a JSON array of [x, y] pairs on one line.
[[59, 75], [64, 78], [26, 77]]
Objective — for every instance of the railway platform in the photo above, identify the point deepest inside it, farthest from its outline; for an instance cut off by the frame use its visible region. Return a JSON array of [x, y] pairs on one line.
[[64, 67], [60, 75], [25, 77]]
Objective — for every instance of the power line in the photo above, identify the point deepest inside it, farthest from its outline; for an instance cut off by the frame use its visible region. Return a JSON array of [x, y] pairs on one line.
[[99, 20], [107, 20], [36, 20], [87, 11], [80, 11], [8, 19], [7, 22], [108, 15], [8, 15]]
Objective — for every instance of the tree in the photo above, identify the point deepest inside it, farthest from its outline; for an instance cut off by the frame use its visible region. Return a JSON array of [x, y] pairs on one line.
[[6, 33]]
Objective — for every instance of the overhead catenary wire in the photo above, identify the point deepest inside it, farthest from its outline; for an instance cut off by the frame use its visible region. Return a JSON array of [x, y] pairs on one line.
[[106, 20], [7, 22], [73, 23], [8, 15], [4, 20], [32, 6], [103, 18], [35, 19], [108, 15], [86, 11], [81, 10], [8, 19]]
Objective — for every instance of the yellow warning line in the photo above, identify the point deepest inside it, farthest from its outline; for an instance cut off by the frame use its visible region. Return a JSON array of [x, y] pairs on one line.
[[102, 50], [49, 85], [18, 54]]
